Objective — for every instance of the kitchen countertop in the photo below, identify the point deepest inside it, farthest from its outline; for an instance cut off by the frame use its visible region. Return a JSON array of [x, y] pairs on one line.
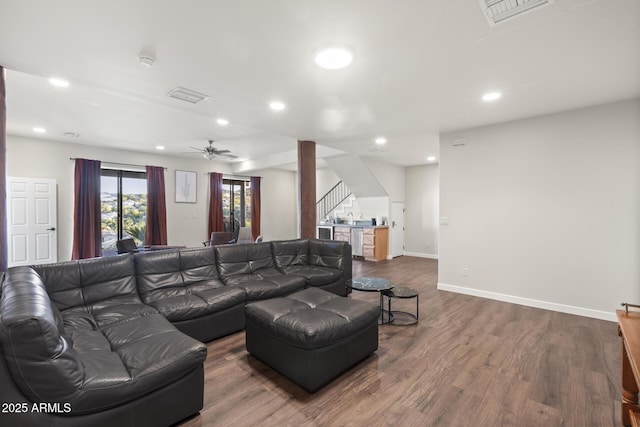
[[353, 225]]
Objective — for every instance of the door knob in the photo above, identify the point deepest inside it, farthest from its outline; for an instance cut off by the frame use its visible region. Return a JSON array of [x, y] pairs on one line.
[[51, 229]]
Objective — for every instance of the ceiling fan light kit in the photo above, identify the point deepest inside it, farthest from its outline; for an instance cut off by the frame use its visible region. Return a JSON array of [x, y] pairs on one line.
[[212, 152]]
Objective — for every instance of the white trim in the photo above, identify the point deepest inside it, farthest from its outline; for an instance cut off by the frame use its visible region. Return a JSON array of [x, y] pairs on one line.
[[421, 255], [579, 311]]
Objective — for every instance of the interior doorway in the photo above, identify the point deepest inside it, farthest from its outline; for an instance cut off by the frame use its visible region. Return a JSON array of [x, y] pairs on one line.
[[31, 221], [396, 225]]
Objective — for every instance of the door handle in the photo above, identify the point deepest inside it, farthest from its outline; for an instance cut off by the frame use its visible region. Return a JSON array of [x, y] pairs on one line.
[[51, 229]]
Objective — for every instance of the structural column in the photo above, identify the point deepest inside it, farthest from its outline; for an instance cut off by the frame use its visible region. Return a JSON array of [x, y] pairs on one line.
[[307, 189]]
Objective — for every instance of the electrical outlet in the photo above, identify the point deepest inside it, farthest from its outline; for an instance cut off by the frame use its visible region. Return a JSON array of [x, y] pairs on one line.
[[465, 271]]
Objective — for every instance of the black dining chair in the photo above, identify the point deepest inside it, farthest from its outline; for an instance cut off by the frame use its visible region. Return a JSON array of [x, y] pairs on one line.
[[126, 246]]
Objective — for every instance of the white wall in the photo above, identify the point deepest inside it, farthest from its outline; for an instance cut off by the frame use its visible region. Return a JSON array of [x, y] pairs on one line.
[[186, 222], [421, 216], [279, 194], [545, 211], [325, 180], [392, 179]]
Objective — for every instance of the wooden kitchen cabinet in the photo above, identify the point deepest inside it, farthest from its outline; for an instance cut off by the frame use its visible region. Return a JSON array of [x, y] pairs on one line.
[[375, 243], [342, 233]]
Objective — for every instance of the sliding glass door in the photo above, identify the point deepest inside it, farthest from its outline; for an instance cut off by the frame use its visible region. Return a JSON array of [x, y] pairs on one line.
[[236, 203], [123, 206]]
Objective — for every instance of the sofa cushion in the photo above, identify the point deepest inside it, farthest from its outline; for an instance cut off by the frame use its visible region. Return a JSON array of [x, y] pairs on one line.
[[267, 283], [184, 284], [314, 275], [328, 253], [290, 252], [198, 264], [95, 282], [323, 264], [235, 260], [185, 303]]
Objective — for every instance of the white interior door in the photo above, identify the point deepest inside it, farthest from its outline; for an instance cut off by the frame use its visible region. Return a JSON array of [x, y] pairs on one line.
[[396, 225], [31, 221]]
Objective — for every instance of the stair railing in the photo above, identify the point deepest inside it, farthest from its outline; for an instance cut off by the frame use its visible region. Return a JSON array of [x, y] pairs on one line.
[[332, 200]]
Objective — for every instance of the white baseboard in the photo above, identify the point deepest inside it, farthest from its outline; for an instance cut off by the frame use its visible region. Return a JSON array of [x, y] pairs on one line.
[[579, 311], [421, 255]]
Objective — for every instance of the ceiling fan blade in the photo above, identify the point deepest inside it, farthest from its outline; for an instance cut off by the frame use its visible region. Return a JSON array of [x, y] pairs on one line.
[[215, 150], [199, 149], [231, 156]]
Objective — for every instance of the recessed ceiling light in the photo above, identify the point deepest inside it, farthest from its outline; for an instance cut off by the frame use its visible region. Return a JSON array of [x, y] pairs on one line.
[[431, 159], [38, 129], [58, 82], [333, 56], [491, 96], [160, 147], [222, 122], [277, 105], [381, 140]]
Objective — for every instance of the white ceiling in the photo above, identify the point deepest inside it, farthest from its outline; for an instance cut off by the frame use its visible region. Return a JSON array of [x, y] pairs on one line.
[[421, 68]]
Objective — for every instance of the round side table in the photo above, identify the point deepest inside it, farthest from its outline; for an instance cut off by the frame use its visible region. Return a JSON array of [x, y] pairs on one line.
[[372, 284], [401, 292]]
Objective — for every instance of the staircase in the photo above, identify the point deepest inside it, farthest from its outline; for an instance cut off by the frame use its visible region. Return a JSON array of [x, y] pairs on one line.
[[334, 197]]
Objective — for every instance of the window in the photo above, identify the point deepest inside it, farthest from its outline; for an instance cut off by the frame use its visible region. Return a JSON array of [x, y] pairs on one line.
[[123, 202], [236, 202]]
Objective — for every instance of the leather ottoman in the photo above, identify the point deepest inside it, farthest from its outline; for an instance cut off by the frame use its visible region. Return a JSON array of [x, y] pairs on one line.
[[311, 336]]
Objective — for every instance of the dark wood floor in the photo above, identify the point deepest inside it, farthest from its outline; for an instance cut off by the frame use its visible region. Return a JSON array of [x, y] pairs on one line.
[[468, 362]]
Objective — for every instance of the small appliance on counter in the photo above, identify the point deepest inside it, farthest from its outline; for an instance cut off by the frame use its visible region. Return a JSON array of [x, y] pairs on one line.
[[374, 221]]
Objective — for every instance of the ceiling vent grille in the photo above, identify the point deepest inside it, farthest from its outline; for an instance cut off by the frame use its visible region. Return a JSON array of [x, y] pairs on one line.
[[187, 95], [498, 11]]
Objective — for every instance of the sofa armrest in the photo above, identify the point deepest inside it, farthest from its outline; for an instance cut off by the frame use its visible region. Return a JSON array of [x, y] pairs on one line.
[[41, 361]]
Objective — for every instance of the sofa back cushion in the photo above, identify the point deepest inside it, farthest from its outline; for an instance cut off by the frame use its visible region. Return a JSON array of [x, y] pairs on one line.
[[157, 270], [41, 361], [233, 260], [327, 253], [94, 282], [290, 252], [198, 265]]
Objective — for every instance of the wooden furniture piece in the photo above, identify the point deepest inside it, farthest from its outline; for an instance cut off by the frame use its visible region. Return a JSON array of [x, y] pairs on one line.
[[342, 233], [629, 330], [375, 243]]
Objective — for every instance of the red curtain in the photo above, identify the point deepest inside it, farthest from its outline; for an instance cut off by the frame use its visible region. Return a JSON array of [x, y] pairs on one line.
[[215, 202], [86, 215], [3, 173], [255, 207], [156, 231]]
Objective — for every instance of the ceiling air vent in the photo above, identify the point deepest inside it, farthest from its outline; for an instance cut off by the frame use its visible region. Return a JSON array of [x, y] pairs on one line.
[[498, 11], [187, 95], [459, 142]]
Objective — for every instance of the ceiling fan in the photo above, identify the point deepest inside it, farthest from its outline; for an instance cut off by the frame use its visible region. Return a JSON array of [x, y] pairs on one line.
[[212, 152]]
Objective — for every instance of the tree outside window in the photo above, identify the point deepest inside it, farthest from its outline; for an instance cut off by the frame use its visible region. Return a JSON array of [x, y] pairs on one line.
[[123, 202], [236, 203]]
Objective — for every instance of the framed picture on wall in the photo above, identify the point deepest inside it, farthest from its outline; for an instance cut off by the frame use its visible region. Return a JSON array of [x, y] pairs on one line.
[[185, 187]]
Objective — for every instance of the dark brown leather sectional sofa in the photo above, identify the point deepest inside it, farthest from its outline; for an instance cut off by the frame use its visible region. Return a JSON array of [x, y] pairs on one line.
[[118, 341]]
